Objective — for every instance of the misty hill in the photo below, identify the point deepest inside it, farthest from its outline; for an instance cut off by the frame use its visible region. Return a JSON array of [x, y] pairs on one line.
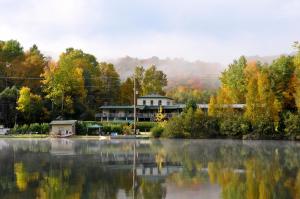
[[197, 74]]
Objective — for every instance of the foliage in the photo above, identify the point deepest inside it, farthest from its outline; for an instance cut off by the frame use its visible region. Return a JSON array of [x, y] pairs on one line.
[[154, 81], [160, 116], [292, 124], [145, 126], [30, 105], [8, 99], [192, 123], [126, 92], [182, 94], [175, 129], [157, 131], [127, 129], [234, 79], [42, 128], [236, 125]]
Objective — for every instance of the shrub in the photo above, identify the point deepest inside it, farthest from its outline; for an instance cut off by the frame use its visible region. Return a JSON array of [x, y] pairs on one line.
[[292, 124], [263, 127], [127, 129], [157, 131], [116, 128], [106, 129], [34, 128], [234, 126], [175, 128], [81, 128], [23, 129], [145, 126], [45, 128]]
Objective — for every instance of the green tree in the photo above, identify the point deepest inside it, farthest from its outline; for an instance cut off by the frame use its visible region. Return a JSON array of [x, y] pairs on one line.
[[139, 73], [281, 74], [8, 100], [126, 92], [111, 83], [154, 81], [234, 79]]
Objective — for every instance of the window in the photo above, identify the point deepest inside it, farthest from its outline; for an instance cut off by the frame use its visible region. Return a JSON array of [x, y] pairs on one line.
[[144, 102], [168, 103], [151, 102], [159, 102]]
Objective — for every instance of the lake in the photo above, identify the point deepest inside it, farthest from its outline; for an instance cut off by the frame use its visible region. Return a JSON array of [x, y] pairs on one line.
[[203, 169]]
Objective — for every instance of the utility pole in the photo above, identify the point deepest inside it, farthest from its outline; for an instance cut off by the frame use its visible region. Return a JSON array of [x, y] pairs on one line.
[[134, 104]]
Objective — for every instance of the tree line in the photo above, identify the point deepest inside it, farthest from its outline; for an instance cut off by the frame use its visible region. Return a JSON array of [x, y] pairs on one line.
[[268, 93], [36, 88]]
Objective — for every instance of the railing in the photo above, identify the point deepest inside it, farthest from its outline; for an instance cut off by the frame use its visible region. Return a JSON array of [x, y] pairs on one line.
[[130, 115]]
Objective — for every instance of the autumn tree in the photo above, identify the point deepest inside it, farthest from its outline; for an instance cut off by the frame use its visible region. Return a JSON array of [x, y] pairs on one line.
[[11, 57], [296, 61], [30, 105], [63, 84], [262, 107]]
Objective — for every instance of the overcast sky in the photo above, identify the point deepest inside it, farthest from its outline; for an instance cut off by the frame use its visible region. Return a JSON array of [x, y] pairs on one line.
[[208, 30]]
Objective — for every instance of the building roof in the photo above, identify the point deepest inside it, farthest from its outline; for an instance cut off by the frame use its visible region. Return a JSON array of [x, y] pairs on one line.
[[175, 106], [140, 107], [154, 96], [63, 122]]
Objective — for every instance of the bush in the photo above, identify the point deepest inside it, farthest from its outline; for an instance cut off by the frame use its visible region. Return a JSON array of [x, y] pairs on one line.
[[34, 128], [292, 124], [264, 127], [145, 126], [106, 129], [23, 129], [81, 128], [116, 129], [234, 126], [157, 131], [45, 128], [175, 128], [127, 129]]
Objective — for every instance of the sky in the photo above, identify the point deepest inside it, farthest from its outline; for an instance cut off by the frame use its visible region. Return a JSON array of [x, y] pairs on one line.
[[207, 30]]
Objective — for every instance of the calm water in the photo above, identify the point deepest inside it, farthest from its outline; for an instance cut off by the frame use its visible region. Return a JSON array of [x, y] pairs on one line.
[[160, 169]]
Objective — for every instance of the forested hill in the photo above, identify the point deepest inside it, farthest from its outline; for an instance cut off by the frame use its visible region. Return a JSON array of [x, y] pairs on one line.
[[197, 74]]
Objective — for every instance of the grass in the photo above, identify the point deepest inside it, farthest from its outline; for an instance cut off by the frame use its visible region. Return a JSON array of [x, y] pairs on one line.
[[24, 136]]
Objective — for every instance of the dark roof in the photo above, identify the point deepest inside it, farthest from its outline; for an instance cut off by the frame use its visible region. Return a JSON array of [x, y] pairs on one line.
[[155, 96], [179, 106], [176, 106]]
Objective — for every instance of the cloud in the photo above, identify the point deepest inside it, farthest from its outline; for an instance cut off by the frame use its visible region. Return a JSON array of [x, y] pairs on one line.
[[212, 30]]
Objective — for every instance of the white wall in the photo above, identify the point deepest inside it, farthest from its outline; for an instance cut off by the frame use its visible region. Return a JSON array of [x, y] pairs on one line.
[[164, 102]]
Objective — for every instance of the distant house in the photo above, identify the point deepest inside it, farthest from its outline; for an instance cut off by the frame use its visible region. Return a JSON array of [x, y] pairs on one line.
[[147, 108], [63, 127]]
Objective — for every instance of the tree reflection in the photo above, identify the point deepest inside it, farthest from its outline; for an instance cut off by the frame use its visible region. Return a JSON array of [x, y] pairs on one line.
[[93, 169]]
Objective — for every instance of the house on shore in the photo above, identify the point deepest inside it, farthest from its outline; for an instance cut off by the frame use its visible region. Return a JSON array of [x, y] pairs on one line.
[[146, 109], [63, 127]]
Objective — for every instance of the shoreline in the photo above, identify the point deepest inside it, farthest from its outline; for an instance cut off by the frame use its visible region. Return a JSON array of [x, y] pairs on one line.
[[87, 137]]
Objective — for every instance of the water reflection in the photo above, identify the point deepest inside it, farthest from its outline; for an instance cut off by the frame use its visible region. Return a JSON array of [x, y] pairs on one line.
[[41, 168]]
